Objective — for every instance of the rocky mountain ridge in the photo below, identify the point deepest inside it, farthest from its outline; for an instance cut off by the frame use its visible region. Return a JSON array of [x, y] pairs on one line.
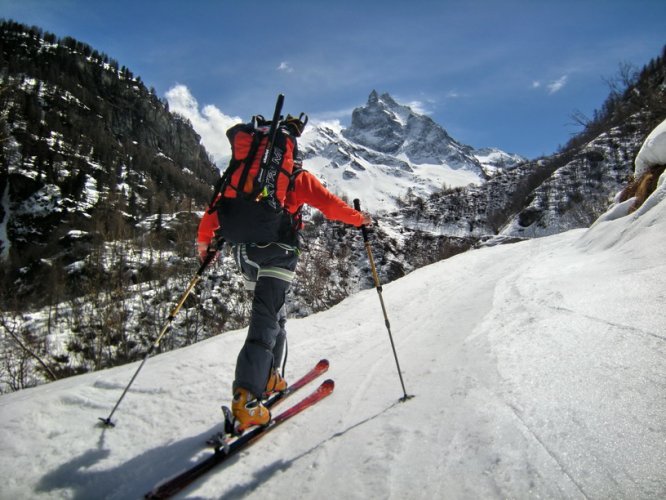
[[388, 127], [87, 152]]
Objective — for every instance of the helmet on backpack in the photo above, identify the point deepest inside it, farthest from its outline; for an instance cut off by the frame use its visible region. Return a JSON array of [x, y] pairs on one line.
[[296, 125]]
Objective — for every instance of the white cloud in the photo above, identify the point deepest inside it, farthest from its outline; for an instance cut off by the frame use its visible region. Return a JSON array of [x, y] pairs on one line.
[[419, 107], [286, 67], [209, 122], [333, 116], [557, 85], [536, 84]]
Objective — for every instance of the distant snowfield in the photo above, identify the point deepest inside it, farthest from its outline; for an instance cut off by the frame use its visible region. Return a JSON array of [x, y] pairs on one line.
[[538, 369], [379, 187]]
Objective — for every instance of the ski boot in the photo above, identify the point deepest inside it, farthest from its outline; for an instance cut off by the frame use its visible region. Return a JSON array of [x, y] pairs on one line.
[[247, 411], [275, 384]]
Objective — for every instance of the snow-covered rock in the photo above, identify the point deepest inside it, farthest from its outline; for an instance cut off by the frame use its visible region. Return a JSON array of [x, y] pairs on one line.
[[653, 151], [495, 160]]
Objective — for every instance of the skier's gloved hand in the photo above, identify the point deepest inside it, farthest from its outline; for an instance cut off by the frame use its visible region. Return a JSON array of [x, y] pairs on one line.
[[203, 249]]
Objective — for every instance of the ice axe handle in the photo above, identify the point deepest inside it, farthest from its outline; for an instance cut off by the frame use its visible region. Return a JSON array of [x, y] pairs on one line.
[[364, 230]]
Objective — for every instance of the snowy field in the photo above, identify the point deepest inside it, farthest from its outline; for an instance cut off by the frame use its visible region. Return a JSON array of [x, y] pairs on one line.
[[538, 369], [380, 187]]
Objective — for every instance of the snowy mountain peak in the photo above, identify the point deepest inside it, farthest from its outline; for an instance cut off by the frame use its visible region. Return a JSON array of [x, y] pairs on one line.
[[387, 102], [388, 150], [391, 128]]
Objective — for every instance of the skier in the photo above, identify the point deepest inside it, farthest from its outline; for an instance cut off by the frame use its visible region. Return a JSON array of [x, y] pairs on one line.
[[268, 268]]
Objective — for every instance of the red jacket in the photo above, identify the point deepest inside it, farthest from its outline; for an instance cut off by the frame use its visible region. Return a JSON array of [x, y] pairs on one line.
[[307, 191]]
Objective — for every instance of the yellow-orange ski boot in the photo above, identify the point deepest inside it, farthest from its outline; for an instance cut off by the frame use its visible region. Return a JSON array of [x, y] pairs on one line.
[[248, 411], [275, 383]]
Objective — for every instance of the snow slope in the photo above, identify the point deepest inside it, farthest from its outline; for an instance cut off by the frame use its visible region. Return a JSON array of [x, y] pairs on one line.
[[539, 370]]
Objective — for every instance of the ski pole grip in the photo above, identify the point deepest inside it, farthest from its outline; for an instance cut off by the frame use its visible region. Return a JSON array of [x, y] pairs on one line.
[[210, 256], [364, 230]]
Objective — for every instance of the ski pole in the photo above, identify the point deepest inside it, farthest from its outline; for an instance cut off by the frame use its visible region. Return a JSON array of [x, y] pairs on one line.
[[378, 286], [193, 282]]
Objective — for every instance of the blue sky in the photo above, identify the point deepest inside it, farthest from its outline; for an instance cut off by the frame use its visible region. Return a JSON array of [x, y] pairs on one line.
[[504, 73]]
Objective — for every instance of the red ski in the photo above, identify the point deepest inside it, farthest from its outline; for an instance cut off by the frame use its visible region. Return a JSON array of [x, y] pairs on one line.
[[319, 369], [177, 483], [222, 438]]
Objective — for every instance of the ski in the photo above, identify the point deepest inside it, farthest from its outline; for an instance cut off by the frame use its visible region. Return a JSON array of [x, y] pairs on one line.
[[319, 369], [179, 482], [219, 439], [267, 157]]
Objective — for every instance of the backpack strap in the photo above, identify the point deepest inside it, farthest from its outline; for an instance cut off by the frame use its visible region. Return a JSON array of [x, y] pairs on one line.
[[292, 177], [222, 183], [263, 182], [249, 159], [296, 217]]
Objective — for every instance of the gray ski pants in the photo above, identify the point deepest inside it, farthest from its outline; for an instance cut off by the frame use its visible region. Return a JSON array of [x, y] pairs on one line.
[[268, 269]]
